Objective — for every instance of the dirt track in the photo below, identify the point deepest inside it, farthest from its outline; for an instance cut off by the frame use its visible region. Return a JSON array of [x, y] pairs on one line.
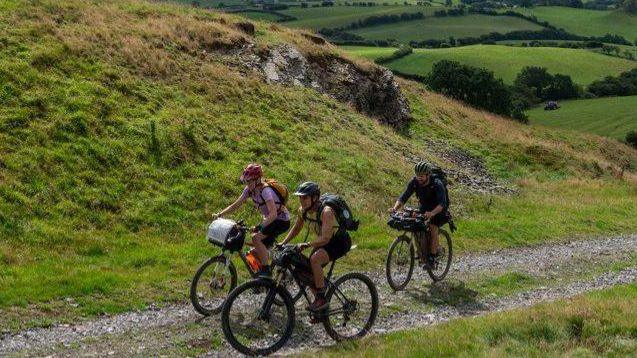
[[567, 269]]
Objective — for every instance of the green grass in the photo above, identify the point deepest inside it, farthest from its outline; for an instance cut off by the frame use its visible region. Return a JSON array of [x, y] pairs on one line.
[[445, 27], [610, 116], [506, 61], [338, 16], [587, 22], [261, 16], [596, 324], [370, 53], [97, 206]]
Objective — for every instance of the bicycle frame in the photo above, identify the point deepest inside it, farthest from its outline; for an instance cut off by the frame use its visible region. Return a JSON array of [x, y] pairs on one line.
[[228, 255], [328, 284]]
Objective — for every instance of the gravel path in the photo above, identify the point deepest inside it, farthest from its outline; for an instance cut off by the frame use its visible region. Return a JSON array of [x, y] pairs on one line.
[[411, 308]]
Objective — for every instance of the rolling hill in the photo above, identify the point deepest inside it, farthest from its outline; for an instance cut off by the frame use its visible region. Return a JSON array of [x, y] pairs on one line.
[[610, 116], [587, 22], [444, 27], [506, 61]]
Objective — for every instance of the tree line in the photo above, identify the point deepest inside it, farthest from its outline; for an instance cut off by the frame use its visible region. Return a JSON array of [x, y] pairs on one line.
[[480, 88]]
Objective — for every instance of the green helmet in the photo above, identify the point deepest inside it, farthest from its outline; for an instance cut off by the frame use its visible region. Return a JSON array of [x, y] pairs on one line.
[[423, 168], [308, 189]]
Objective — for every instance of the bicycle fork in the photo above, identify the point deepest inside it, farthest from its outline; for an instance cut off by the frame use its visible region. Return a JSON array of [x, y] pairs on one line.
[[264, 313]]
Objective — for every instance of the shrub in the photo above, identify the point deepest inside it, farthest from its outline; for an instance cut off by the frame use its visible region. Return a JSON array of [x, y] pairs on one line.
[[475, 86], [399, 53]]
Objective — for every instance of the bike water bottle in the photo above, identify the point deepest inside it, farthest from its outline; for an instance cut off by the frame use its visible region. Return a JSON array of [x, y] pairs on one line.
[[253, 262]]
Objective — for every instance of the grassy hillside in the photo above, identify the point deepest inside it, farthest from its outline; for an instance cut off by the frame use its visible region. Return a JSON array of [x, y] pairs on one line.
[[596, 324], [123, 128], [612, 116], [445, 27], [587, 22], [506, 62]]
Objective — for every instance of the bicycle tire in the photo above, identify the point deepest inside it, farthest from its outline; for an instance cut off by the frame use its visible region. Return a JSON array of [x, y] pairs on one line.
[[439, 277], [398, 286], [194, 297], [249, 287], [327, 323]]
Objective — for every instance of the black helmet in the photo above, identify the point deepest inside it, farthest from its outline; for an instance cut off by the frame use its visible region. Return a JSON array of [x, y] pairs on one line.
[[308, 188], [423, 168]]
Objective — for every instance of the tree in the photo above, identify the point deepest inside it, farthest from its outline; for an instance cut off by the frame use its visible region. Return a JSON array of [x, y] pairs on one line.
[[560, 87], [535, 78], [475, 86], [448, 3], [630, 6]]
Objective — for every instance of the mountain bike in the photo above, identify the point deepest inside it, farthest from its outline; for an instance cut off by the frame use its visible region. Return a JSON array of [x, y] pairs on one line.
[[217, 276], [412, 244], [254, 325]]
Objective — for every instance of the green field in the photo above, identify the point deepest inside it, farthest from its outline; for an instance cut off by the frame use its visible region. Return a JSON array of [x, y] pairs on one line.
[[506, 61], [370, 53], [587, 22], [115, 151], [445, 27], [338, 16], [610, 116], [262, 16], [592, 325]]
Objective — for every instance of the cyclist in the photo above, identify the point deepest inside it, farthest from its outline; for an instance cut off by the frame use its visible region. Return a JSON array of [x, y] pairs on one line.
[[276, 218], [431, 194], [330, 244]]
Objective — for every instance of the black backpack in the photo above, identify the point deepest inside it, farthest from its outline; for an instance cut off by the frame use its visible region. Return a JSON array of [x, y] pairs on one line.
[[344, 215], [438, 173]]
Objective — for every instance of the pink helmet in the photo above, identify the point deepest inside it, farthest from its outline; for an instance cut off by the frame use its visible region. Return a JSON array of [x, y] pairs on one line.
[[251, 171]]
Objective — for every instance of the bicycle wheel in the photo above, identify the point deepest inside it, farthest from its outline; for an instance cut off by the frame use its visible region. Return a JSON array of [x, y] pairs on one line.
[[211, 284], [399, 265], [252, 323], [443, 259], [352, 307]]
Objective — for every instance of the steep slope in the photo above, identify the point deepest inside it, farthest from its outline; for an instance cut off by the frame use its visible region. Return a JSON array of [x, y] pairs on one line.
[[125, 124]]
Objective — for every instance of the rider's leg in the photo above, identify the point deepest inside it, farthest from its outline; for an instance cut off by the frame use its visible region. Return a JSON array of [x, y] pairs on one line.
[[259, 248], [317, 260], [435, 233]]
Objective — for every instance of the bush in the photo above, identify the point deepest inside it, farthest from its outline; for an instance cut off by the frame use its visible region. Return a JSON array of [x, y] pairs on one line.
[[475, 86], [544, 85], [631, 138], [623, 85], [400, 52]]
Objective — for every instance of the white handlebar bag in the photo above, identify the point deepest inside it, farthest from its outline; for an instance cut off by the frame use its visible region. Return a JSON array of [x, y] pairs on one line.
[[225, 233]]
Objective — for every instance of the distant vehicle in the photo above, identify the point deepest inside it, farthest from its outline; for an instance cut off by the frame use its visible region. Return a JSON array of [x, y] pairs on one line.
[[551, 106]]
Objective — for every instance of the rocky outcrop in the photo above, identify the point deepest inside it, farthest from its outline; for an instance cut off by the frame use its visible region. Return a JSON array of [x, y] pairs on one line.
[[373, 92]]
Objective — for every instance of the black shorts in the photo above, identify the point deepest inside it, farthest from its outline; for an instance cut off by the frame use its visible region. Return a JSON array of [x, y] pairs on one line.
[[272, 231], [338, 246], [440, 219]]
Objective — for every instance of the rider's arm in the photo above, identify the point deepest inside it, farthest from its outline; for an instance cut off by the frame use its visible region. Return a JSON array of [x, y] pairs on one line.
[[327, 227], [296, 229], [234, 206], [436, 211], [409, 191], [441, 194]]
